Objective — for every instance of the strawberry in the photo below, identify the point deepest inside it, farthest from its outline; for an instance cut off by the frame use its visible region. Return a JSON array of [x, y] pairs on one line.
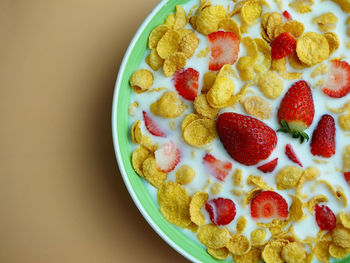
[[297, 110], [269, 205], [283, 45], [151, 126], [347, 177], [325, 217], [287, 16], [323, 138], [221, 211], [217, 168], [167, 157], [224, 48], [186, 83], [338, 81], [246, 139], [268, 167], [292, 155]]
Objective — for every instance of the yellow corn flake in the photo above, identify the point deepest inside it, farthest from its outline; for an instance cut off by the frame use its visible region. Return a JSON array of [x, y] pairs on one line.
[[151, 173], [215, 189], [246, 74], [185, 174], [311, 173], [295, 62], [252, 49], [272, 252], [180, 18], [132, 108], [170, 21], [270, 84], [273, 21], [294, 27], [326, 184], [193, 227], [200, 132], [321, 69], [288, 177], [321, 251], [156, 34], [319, 161], [258, 181], [229, 25], [341, 236], [346, 158], [257, 236], [174, 203], [138, 157], [135, 132], [333, 41], [325, 20], [202, 107], [344, 219], [314, 201], [344, 4], [208, 20], [253, 256], [312, 48], [172, 125], [219, 253], [208, 81], [296, 212], [302, 6], [344, 122], [238, 245], [189, 44], [220, 93], [173, 63], [168, 44], [250, 195], [250, 11], [203, 53], [205, 187], [341, 195], [213, 237], [197, 202], [226, 71], [264, 35], [188, 119], [238, 192], [293, 252], [264, 56], [347, 22], [168, 106], [154, 60], [141, 80], [157, 89], [237, 177], [338, 252], [258, 107], [241, 225]]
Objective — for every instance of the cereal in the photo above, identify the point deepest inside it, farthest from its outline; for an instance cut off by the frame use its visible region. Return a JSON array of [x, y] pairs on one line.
[[270, 84], [257, 236], [168, 106], [338, 252], [302, 6], [295, 62], [311, 173], [215, 189], [294, 27], [272, 252], [238, 192], [154, 60], [202, 107], [151, 173], [346, 158], [312, 48], [321, 251], [174, 203], [135, 132], [344, 4], [341, 236], [258, 107], [203, 53], [253, 256], [321, 69], [333, 41], [344, 219], [141, 80], [156, 34], [251, 10], [174, 62], [200, 132], [219, 253], [185, 174], [138, 157], [288, 177], [170, 21], [237, 177], [188, 119], [238, 245], [188, 44], [208, 20], [341, 195], [213, 236], [314, 201], [264, 56], [273, 21], [241, 225], [296, 212], [208, 81], [259, 182], [229, 25], [250, 195], [133, 108], [180, 18], [197, 202], [221, 92], [326, 21], [293, 253], [168, 44]]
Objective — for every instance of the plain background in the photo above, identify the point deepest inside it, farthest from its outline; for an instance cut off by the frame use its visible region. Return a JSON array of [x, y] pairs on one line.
[[62, 198]]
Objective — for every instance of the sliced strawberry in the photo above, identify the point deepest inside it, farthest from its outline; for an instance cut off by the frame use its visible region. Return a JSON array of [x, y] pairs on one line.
[[221, 211], [347, 177], [287, 16], [338, 81], [325, 217], [292, 155], [217, 168], [224, 48], [167, 157], [283, 45], [269, 205], [186, 83], [323, 137], [151, 126], [268, 167]]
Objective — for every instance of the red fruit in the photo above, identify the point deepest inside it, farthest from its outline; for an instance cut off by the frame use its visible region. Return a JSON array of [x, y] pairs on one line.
[[347, 177], [283, 45], [186, 83], [246, 139], [167, 157], [269, 205], [287, 16], [268, 167], [221, 211], [224, 48], [323, 138], [338, 81], [217, 168], [297, 110], [151, 126], [292, 155], [325, 218]]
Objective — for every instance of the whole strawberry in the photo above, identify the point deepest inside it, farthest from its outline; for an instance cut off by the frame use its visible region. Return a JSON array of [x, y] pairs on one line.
[[297, 110], [246, 139], [283, 45], [323, 137]]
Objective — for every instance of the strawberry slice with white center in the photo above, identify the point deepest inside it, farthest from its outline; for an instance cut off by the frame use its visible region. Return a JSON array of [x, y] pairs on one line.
[[269, 205], [338, 81], [224, 48], [167, 157], [186, 83], [151, 126], [217, 168], [221, 211]]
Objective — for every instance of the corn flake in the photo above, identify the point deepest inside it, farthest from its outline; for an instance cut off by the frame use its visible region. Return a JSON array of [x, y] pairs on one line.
[[314, 201], [237, 177], [208, 20], [326, 21], [341, 236], [253, 256], [257, 236], [208, 81], [220, 93], [250, 195], [241, 225], [168, 106], [213, 237], [202, 107], [346, 158], [154, 60], [312, 48], [344, 4], [133, 108], [302, 6], [180, 18], [258, 107], [215, 189], [293, 253], [185, 174], [251, 10], [294, 27], [156, 34], [344, 219], [273, 21], [321, 251], [188, 119], [189, 44], [295, 62], [168, 44], [321, 69], [333, 41], [272, 252], [238, 245], [173, 63], [141, 80], [219, 253], [138, 157], [338, 252], [258, 181], [151, 173], [288, 177], [197, 202], [270, 84], [229, 25], [296, 212], [200, 132]]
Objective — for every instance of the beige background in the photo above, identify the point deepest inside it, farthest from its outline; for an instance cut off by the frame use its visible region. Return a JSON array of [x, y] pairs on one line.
[[61, 195]]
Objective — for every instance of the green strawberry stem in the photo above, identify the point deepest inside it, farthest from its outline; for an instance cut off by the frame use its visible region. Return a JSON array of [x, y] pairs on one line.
[[295, 134]]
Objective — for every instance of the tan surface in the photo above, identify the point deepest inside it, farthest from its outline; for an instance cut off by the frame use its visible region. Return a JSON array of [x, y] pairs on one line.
[[61, 196]]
